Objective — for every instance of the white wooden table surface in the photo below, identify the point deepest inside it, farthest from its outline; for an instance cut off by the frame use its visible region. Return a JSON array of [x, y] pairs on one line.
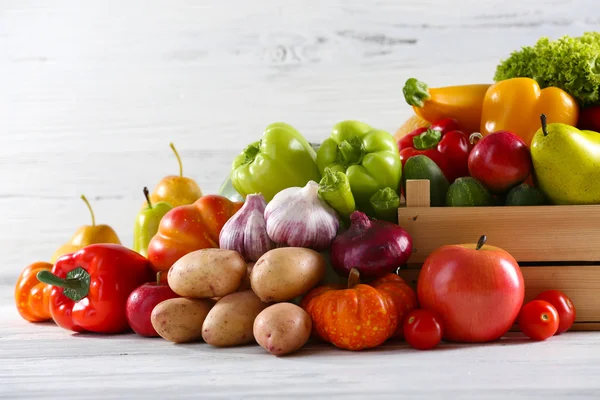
[[91, 94]]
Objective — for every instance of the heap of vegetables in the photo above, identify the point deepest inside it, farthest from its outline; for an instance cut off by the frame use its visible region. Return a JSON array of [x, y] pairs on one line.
[[303, 241], [357, 168]]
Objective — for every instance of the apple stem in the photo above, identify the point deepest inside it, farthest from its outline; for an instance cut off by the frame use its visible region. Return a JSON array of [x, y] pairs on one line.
[[147, 195], [158, 274], [178, 159], [544, 126], [480, 242], [475, 136], [353, 278], [89, 208]]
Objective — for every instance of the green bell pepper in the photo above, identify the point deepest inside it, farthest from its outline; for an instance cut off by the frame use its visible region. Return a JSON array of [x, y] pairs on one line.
[[282, 158], [369, 157]]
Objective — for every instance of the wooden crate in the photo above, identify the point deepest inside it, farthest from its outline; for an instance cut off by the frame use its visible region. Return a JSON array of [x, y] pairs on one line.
[[557, 247]]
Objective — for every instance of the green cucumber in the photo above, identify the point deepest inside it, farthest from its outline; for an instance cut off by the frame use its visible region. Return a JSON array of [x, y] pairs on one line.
[[468, 192], [525, 195], [423, 167]]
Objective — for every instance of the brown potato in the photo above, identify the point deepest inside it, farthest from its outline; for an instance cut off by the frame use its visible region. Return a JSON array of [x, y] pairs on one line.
[[282, 328], [246, 281], [207, 273], [231, 320], [284, 273], [245, 285], [180, 320]]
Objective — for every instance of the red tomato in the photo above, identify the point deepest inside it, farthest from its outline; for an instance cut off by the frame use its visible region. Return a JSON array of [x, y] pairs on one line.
[[564, 306], [422, 329], [538, 320], [476, 289]]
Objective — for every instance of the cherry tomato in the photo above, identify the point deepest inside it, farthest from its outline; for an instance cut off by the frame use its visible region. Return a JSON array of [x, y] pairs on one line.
[[538, 319], [422, 329], [564, 306]]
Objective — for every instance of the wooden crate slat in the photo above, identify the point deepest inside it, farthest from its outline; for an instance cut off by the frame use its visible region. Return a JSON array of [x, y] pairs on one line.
[[580, 283], [419, 189], [532, 233]]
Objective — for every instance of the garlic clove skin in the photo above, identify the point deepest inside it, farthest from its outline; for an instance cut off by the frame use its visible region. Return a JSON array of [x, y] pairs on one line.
[[246, 231], [297, 217]]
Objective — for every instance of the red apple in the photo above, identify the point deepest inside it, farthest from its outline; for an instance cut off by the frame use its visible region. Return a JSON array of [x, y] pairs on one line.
[[477, 290], [142, 301], [500, 161]]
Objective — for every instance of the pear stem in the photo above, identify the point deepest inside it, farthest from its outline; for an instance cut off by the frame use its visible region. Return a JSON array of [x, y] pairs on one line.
[[178, 159], [480, 242], [147, 195], [89, 208], [544, 126]]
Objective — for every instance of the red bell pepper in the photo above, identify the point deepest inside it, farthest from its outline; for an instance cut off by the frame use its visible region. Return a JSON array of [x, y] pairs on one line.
[[589, 119], [90, 287], [444, 143]]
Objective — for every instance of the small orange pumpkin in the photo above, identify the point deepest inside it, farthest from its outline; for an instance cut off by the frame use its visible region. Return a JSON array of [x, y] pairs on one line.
[[404, 298], [360, 316], [32, 296]]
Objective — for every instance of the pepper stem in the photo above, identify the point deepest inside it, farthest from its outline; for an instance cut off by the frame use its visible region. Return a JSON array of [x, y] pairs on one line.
[[475, 136], [251, 151], [385, 202], [544, 126], [351, 151], [427, 140], [416, 92], [87, 203], [480, 242], [76, 286], [147, 195], [178, 159], [353, 278]]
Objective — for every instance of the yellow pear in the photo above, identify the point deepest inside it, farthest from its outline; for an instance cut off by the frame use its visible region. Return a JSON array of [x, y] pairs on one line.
[[177, 190], [86, 235]]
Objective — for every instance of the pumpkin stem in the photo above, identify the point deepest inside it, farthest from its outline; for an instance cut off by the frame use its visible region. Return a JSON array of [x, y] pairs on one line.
[[353, 278]]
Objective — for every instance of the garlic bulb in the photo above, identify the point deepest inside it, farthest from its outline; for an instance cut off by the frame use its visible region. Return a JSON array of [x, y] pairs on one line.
[[297, 217], [246, 231]]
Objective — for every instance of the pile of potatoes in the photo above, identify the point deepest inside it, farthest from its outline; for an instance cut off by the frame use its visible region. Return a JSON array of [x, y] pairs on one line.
[[227, 302]]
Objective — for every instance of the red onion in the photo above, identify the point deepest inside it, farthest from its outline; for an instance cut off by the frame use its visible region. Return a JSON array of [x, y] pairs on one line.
[[373, 247]]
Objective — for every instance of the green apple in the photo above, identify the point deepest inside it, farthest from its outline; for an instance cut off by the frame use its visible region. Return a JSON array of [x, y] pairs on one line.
[[147, 222], [566, 162]]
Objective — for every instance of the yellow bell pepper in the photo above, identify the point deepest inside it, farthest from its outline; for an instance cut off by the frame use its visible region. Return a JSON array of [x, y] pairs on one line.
[[515, 105], [461, 102]]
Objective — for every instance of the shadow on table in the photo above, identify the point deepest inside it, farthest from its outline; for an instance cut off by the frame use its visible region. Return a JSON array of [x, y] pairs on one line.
[[401, 346]]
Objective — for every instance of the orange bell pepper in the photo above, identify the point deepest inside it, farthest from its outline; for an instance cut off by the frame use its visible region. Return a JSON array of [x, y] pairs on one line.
[[515, 105], [32, 296], [188, 228], [462, 103]]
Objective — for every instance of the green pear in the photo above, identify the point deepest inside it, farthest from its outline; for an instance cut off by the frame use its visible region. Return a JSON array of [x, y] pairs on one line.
[[566, 162], [147, 223]]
